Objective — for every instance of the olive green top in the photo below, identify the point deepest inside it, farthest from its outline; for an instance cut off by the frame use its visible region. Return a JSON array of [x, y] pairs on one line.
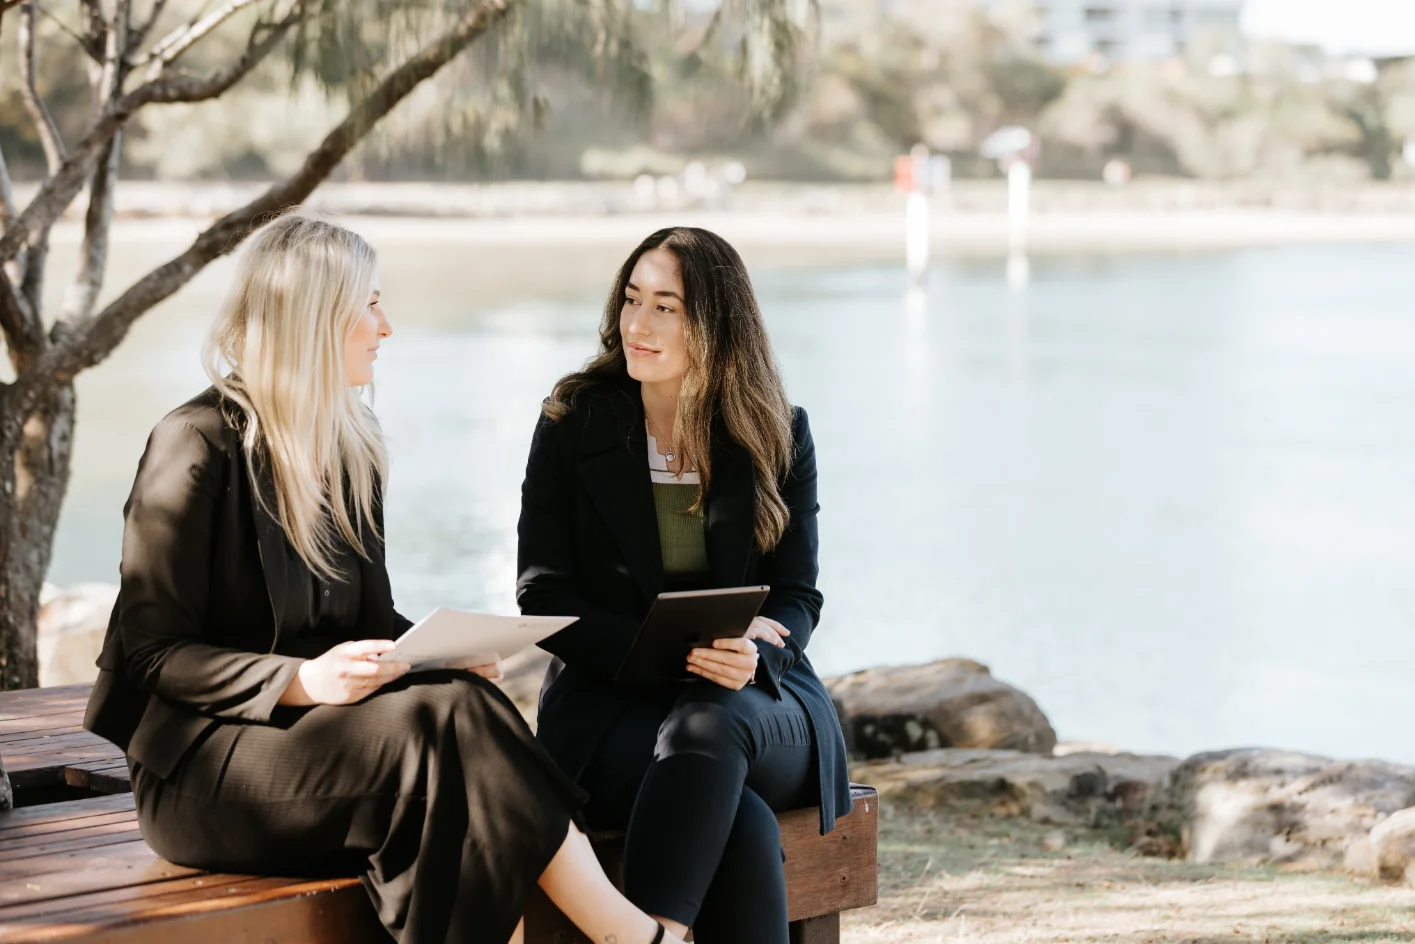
[[681, 530]]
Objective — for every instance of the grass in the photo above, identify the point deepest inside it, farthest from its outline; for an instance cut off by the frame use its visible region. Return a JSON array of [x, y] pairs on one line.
[[954, 876]]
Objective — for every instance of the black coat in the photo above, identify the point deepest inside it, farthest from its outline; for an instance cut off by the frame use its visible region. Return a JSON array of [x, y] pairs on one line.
[[194, 635], [589, 547]]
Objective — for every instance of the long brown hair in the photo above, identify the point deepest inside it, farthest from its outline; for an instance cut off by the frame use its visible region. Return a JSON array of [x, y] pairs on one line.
[[732, 372]]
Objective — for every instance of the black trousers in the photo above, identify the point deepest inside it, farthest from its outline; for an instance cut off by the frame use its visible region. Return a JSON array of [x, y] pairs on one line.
[[694, 774], [433, 790]]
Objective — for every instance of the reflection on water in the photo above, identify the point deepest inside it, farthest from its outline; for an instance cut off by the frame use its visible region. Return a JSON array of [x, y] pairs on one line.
[[1168, 496]]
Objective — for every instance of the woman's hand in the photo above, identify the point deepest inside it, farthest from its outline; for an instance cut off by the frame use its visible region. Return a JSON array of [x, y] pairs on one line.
[[730, 663], [345, 674], [768, 630], [491, 671]]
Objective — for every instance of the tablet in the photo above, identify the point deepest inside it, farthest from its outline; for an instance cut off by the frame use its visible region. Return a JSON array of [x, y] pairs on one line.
[[680, 622]]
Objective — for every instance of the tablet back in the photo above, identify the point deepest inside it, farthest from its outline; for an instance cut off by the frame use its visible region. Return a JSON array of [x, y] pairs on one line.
[[680, 622]]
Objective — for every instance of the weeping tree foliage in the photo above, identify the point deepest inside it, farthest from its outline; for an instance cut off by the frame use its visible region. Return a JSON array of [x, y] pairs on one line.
[[369, 55]]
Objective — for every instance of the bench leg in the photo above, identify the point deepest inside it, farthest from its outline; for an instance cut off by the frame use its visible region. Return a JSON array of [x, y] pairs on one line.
[[822, 930]]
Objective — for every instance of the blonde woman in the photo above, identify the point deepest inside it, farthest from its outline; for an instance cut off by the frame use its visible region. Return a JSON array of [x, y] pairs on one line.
[[239, 674]]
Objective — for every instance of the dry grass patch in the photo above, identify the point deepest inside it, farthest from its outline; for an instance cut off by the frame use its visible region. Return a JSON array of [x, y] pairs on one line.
[[948, 877]]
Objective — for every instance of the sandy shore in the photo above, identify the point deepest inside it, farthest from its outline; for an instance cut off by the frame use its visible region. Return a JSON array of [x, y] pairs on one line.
[[810, 223]]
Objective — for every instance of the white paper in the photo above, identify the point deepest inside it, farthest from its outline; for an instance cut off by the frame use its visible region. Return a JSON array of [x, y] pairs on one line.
[[454, 638]]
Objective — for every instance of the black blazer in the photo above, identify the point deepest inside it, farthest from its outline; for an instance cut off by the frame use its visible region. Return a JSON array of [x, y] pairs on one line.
[[194, 636], [589, 547]]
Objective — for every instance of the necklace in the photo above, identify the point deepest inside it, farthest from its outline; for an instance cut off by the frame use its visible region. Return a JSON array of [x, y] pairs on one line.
[[668, 456]]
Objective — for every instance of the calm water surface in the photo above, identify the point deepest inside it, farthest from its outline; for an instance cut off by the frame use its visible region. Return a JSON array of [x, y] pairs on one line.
[[1172, 497]]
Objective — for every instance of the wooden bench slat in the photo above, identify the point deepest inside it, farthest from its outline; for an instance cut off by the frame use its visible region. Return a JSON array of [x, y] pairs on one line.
[[65, 828], [118, 865], [222, 909], [835, 872], [96, 905], [20, 727], [27, 847], [62, 812], [102, 751], [69, 741], [13, 708], [316, 916], [29, 696], [115, 779]]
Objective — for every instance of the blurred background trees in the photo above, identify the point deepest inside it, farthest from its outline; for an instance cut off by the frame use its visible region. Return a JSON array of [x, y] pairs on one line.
[[879, 78]]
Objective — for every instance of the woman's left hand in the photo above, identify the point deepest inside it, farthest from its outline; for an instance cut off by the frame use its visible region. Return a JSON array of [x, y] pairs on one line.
[[491, 671], [730, 663]]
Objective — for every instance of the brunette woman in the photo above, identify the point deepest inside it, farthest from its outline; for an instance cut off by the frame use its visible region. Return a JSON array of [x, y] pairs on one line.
[[240, 673], [674, 461]]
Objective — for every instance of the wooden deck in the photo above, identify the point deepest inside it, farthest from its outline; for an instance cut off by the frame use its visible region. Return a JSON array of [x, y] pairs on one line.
[[44, 745], [78, 869]]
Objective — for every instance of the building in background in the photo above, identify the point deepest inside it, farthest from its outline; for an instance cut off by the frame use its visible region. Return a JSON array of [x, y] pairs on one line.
[[1075, 30]]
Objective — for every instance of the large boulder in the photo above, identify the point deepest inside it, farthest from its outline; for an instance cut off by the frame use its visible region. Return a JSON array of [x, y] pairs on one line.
[[1388, 852], [1258, 805], [949, 703], [72, 623], [1079, 789]]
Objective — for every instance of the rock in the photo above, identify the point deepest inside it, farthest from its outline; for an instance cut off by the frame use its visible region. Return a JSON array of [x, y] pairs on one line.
[[1075, 790], [1278, 806], [1392, 841], [952, 703], [72, 623]]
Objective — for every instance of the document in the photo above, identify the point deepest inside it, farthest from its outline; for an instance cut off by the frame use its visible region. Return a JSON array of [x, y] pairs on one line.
[[454, 638]]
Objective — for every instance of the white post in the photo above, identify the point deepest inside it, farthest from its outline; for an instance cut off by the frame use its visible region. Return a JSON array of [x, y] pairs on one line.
[[916, 233], [1019, 210], [1019, 200], [917, 215]]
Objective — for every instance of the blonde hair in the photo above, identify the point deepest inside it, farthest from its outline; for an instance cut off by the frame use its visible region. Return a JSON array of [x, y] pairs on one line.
[[277, 352]]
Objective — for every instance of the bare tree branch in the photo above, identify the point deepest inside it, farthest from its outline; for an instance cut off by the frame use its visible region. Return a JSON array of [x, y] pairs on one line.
[[115, 51], [83, 43], [89, 342], [138, 34], [20, 324], [13, 270], [29, 91], [177, 42], [61, 188], [98, 219], [7, 194]]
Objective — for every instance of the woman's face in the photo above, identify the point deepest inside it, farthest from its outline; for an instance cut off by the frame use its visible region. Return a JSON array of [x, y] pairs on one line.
[[651, 319], [361, 349]]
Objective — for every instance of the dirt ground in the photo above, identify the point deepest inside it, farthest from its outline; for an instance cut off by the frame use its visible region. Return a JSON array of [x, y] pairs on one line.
[[968, 876]]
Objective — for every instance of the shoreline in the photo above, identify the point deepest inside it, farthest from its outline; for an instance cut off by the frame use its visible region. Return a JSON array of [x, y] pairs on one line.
[[799, 238], [802, 223]]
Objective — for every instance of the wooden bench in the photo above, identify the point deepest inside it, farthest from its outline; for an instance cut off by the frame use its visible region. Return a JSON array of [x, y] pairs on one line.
[[78, 869]]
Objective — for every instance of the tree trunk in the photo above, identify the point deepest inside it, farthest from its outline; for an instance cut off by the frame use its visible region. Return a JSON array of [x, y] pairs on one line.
[[34, 474]]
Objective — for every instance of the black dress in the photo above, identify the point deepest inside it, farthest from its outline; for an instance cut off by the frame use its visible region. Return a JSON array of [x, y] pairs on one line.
[[432, 790]]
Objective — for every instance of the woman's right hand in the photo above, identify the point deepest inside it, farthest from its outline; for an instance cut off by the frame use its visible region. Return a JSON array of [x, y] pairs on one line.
[[345, 674], [768, 630]]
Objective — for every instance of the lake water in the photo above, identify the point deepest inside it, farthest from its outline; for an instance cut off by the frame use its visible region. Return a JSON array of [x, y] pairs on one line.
[[1171, 497]]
